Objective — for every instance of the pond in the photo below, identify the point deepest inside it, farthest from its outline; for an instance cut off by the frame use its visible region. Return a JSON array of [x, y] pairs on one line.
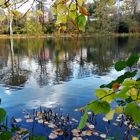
[[59, 73]]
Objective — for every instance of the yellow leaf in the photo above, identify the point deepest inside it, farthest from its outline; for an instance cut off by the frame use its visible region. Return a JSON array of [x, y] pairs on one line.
[[110, 115], [80, 2], [119, 109], [135, 138]]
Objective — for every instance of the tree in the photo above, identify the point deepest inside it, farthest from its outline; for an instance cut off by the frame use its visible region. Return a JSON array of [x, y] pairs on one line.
[[102, 13]]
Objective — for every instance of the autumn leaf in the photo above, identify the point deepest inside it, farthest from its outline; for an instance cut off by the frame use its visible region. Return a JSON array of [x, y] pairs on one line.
[[115, 86], [83, 11]]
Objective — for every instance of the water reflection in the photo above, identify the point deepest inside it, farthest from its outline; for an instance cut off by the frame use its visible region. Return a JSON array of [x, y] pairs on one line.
[[12, 75], [54, 61]]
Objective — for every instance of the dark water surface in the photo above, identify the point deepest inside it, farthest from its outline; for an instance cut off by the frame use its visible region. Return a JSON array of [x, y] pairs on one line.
[[58, 73]]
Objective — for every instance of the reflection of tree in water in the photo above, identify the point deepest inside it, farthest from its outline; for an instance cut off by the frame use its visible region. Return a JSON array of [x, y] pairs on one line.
[[42, 76], [14, 75], [63, 69], [62, 60]]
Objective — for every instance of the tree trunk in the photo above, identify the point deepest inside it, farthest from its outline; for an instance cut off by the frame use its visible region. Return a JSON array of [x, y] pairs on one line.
[[10, 25]]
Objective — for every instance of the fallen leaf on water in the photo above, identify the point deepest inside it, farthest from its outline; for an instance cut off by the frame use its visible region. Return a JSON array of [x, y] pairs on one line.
[[51, 125], [77, 138], [58, 132], [96, 133], [18, 120], [105, 119], [91, 126], [29, 120], [40, 121], [103, 135], [26, 116], [52, 136]]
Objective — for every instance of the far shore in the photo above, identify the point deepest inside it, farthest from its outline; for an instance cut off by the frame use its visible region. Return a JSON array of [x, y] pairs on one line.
[[68, 35]]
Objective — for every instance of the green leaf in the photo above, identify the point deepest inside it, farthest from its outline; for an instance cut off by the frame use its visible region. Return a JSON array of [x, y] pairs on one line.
[[100, 93], [2, 114], [99, 107], [61, 19], [133, 110], [72, 7], [6, 135], [105, 95], [83, 121], [81, 21], [120, 65], [122, 93], [129, 82], [120, 79], [72, 14], [133, 59], [110, 115]]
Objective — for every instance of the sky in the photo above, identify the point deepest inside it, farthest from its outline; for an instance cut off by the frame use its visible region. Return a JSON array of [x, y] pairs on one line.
[[27, 5]]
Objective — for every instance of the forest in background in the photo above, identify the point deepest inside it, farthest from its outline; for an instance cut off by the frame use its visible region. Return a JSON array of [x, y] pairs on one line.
[[70, 16]]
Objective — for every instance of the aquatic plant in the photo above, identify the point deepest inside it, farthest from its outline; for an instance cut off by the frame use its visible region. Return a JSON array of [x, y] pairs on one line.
[[124, 91]]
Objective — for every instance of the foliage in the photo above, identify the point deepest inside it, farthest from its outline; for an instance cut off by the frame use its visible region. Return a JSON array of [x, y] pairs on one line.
[[2, 114], [70, 11], [32, 28], [124, 90]]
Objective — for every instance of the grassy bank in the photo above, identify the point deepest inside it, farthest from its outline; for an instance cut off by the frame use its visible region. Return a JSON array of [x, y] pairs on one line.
[[4, 36]]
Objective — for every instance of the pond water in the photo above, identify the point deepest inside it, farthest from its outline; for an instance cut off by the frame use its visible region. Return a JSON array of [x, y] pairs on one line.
[[58, 73]]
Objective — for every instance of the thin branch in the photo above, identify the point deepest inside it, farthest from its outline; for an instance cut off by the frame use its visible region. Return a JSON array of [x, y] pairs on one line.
[[5, 4], [22, 4], [29, 9]]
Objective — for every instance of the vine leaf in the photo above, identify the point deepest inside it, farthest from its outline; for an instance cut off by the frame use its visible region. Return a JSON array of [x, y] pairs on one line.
[[133, 59], [129, 82], [119, 109], [110, 115], [135, 138], [2, 114], [122, 94], [99, 107], [83, 121], [106, 95], [120, 65], [133, 110], [120, 79], [81, 21], [84, 11]]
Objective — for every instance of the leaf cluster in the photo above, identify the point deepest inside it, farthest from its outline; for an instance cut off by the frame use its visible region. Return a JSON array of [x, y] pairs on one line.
[[125, 90]]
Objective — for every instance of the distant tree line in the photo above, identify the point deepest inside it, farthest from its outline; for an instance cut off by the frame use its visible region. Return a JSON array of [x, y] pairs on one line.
[[70, 16]]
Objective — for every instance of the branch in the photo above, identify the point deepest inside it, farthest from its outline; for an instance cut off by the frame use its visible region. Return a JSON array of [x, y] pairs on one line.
[[29, 9], [22, 4], [5, 4]]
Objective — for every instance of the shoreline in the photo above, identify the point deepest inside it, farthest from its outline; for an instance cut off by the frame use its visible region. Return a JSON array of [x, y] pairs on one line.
[[25, 36]]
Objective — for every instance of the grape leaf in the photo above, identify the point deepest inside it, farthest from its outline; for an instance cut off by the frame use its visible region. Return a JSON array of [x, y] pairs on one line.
[[99, 107], [133, 110], [120, 65], [2, 114]]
